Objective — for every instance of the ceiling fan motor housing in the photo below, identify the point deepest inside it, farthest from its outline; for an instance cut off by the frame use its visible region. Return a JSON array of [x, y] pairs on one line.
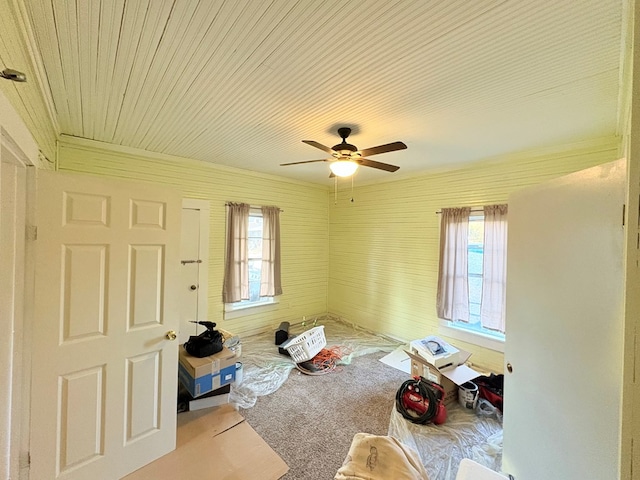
[[344, 149]]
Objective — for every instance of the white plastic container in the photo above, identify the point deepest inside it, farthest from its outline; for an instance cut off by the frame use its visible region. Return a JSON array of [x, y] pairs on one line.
[[306, 345], [468, 395]]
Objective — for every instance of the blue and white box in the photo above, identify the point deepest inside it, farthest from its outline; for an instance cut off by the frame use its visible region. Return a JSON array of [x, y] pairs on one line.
[[202, 375]]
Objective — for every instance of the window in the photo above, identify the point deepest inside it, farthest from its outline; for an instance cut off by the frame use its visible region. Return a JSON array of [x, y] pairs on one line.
[[252, 264], [475, 252], [472, 275], [254, 247]]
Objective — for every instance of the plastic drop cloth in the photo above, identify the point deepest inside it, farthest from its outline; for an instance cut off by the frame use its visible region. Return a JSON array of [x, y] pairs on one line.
[[265, 370], [465, 434]]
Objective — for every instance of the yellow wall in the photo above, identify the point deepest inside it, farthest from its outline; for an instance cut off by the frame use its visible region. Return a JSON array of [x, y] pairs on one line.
[[383, 258], [27, 97], [372, 262], [304, 221]]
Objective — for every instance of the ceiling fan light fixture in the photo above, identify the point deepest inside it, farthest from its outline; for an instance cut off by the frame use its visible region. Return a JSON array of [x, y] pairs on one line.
[[343, 168]]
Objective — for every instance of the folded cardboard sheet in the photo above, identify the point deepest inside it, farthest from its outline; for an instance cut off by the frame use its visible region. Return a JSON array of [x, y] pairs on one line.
[[215, 444]]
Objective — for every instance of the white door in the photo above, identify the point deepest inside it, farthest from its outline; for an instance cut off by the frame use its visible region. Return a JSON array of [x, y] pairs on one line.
[[194, 258], [564, 334], [104, 373]]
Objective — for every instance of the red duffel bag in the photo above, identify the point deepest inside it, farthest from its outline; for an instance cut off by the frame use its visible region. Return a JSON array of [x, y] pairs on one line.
[[491, 389]]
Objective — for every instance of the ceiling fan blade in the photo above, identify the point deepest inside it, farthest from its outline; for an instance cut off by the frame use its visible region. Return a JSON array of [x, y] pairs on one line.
[[305, 161], [381, 166], [319, 145], [388, 147]]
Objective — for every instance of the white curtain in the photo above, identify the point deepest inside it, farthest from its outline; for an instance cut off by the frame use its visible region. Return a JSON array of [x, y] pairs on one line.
[[236, 266], [453, 287], [270, 284], [494, 274]]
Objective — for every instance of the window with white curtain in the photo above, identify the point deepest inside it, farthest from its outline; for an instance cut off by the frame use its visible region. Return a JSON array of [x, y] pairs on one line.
[[473, 271], [253, 247]]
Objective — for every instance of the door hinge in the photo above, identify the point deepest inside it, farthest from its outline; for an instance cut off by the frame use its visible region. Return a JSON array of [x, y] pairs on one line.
[[635, 351], [624, 211], [184, 262], [31, 233], [632, 457], [25, 460]]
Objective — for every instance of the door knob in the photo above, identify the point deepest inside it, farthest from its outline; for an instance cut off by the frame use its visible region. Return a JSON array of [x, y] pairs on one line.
[[509, 368], [193, 287], [171, 335]]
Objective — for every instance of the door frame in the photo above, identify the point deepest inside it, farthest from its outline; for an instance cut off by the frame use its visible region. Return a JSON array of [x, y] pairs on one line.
[[17, 142], [203, 272]]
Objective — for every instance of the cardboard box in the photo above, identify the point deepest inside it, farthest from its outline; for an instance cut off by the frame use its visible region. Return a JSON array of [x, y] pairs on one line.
[[447, 357], [207, 382], [450, 377], [202, 375]]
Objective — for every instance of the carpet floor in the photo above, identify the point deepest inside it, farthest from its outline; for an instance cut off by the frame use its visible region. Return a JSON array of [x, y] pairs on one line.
[[310, 420]]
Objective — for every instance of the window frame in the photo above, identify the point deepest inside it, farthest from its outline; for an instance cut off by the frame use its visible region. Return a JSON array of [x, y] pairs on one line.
[[446, 328], [457, 330]]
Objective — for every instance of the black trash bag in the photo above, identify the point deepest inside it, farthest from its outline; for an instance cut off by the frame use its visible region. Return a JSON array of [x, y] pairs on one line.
[[207, 343]]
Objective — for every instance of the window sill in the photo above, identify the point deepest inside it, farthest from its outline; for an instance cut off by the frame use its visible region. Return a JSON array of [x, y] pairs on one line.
[[236, 311], [478, 339]]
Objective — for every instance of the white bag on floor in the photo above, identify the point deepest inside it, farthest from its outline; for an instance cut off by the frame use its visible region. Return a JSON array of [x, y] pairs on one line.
[[376, 457]]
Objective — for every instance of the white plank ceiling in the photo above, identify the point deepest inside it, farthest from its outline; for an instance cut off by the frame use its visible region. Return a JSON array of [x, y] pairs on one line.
[[242, 82]]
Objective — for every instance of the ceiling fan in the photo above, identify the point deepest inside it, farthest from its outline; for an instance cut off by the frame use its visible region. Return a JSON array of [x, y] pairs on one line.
[[346, 158]]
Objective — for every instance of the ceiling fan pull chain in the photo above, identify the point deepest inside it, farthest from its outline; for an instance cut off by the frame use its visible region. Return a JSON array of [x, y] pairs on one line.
[[351, 189], [335, 191]]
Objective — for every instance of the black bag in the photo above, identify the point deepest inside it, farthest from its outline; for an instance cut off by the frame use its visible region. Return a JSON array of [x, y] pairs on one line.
[[207, 343]]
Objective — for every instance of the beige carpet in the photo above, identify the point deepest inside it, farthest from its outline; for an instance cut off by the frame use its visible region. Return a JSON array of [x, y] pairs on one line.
[[310, 420]]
